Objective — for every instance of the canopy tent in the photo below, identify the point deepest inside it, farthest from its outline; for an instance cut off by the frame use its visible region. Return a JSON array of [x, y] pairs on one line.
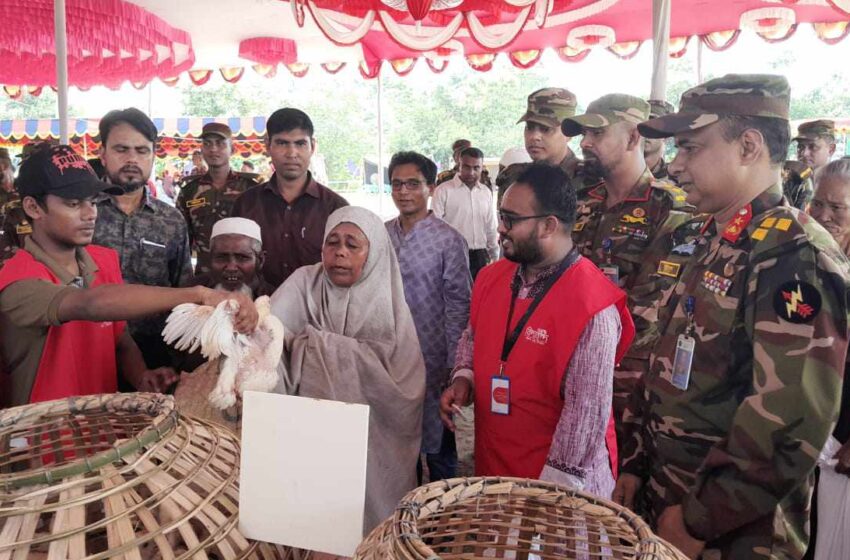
[[178, 137], [195, 38]]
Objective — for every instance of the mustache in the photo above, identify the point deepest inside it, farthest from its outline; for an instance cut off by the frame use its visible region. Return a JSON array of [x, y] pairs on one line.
[[131, 169], [588, 155]]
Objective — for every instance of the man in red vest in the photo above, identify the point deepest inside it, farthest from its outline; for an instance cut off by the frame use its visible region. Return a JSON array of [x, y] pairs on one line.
[[62, 301], [545, 331]]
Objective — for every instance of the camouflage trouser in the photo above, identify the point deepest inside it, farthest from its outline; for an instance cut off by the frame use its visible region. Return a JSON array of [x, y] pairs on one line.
[[782, 535]]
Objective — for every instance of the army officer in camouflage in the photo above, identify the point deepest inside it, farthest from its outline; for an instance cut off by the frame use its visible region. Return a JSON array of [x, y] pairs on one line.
[[208, 198], [653, 148], [544, 141], [744, 381], [618, 218]]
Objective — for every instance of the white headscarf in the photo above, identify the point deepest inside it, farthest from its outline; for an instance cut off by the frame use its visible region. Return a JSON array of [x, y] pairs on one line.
[[359, 345]]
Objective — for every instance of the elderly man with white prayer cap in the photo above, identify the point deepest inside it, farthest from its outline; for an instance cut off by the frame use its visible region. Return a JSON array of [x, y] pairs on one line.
[[236, 249]]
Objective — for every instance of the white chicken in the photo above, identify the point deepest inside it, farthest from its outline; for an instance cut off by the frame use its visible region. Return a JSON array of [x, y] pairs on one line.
[[248, 362]]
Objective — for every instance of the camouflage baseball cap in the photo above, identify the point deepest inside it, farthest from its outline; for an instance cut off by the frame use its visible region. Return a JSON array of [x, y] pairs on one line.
[[813, 130], [658, 108], [607, 110], [550, 106], [745, 95]]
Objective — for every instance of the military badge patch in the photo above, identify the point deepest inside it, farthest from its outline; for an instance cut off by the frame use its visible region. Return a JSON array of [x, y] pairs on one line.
[[196, 203], [797, 302], [716, 283], [634, 219], [638, 212], [667, 268]]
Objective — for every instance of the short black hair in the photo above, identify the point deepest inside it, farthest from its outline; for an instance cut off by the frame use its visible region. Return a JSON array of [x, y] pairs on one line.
[[132, 116], [460, 143], [287, 119], [553, 192], [473, 153], [427, 167], [776, 133]]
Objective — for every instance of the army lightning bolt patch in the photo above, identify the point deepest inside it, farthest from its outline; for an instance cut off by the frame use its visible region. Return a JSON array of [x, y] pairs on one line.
[[797, 302]]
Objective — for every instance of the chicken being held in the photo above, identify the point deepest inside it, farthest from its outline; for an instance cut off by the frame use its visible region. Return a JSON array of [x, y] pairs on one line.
[[248, 362]]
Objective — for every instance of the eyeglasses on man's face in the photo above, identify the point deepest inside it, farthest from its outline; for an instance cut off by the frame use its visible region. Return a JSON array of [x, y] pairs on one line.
[[409, 184], [510, 219]]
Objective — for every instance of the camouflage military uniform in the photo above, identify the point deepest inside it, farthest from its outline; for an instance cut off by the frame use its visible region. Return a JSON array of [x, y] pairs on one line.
[[616, 239], [16, 226], [202, 205], [549, 107], [733, 436], [658, 108], [797, 184]]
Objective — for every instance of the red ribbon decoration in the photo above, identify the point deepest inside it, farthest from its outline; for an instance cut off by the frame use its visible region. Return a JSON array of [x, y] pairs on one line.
[[403, 66], [525, 59], [233, 74], [333, 67], [713, 40], [569, 55], [200, 77]]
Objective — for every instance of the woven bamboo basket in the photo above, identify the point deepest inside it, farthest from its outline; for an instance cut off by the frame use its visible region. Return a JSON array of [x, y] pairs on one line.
[[119, 476], [470, 518]]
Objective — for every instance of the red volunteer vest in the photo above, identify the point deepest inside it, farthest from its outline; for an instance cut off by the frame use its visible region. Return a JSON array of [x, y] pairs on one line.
[[79, 356], [518, 444]]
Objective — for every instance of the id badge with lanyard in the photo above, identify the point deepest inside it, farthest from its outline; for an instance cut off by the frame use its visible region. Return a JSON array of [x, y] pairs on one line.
[[685, 344], [500, 384]]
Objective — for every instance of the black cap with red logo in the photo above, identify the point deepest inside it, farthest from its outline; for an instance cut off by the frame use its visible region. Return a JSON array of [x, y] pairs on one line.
[[60, 171]]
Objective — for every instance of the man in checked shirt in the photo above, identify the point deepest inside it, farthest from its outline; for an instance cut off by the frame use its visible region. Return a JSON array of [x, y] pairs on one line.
[[149, 235]]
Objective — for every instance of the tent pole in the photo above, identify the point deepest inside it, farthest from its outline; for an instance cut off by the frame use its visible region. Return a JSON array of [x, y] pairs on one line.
[[61, 35], [699, 61], [660, 47], [380, 147]]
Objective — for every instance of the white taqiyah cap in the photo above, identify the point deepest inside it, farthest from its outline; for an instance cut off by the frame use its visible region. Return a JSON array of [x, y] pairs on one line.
[[514, 155], [237, 226]]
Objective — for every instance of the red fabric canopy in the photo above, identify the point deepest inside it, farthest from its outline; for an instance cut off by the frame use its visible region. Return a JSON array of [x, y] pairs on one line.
[[109, 41]]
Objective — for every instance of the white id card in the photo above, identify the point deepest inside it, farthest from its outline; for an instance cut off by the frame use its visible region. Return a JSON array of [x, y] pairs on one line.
[[682, 362], [612, 272], [500, 395]]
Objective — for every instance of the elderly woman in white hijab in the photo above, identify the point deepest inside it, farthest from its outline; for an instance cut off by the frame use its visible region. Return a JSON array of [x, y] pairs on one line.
[[350, 337]]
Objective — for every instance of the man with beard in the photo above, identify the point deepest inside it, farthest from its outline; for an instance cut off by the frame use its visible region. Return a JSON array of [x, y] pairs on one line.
[[291, 207], [467, 205], [653, 148], [544, 141], [206, 199], [149, 235], [622, 216], [538, 355]]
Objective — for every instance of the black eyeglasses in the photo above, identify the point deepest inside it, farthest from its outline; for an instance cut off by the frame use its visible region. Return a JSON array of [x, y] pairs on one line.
[[410, 185], [509, 220]]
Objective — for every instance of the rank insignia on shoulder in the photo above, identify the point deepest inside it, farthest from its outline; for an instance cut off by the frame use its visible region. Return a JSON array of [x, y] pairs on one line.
[[685, 249], [716, 283], [797, 302], [668, 268], [196, 203], [578, 226]]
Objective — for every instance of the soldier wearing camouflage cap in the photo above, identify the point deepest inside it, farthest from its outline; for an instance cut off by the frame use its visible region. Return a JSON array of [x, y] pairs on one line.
[[623, 214], [815, 143], [653, 148], [544, 140], [208, 198], [745, 377]]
